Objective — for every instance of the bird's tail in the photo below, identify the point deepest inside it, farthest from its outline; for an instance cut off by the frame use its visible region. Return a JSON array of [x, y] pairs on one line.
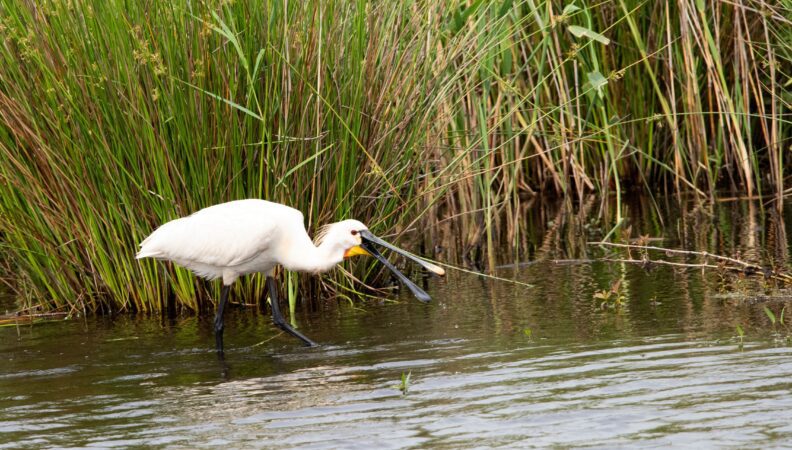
[[156, 244], [146, 254], [146, 249]]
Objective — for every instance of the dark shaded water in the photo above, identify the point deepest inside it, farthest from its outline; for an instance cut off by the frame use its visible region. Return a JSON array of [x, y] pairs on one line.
[[665, 368]]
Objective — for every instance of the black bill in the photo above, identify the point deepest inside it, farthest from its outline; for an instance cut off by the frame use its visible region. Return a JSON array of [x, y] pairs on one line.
[[368, 241]]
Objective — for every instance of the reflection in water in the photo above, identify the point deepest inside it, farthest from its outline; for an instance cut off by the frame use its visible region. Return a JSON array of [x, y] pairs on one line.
[[663, 369]]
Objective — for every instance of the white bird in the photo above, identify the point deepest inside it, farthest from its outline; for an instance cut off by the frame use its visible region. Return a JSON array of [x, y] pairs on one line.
[[249, 236]]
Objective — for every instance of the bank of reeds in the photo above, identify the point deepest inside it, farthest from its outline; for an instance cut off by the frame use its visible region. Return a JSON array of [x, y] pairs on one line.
[[408, 115]]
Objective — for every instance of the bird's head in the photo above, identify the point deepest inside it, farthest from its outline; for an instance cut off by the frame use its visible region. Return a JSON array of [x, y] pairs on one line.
[[356, 239], [344, 235]]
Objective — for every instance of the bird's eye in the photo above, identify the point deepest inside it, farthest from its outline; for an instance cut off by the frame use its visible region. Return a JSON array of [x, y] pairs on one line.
[[354, 232]]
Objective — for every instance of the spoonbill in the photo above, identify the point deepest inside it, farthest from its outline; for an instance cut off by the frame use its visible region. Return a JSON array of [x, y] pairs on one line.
[[237, 238]]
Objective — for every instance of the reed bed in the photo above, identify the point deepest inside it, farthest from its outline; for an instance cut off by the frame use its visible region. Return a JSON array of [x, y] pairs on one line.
[[422, 119]]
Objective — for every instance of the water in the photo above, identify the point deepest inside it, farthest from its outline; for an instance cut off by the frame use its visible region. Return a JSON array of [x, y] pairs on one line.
[[664, 369]]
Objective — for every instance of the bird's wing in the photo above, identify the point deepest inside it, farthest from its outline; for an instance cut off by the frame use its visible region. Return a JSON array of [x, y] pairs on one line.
[[222, 237]]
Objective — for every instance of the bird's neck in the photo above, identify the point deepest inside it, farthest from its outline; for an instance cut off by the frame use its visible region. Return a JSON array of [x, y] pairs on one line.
[[315, 259]]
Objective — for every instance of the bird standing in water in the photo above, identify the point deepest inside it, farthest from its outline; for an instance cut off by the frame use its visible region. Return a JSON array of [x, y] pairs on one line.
[[249, 236]]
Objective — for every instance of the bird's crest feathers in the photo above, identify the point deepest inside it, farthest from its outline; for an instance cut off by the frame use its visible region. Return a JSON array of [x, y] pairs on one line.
[[321, 234]]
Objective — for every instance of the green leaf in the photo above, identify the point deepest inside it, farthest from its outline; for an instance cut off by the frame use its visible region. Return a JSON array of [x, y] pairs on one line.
[[256, 66], [770, 315], [302, 163], [506, 63], [405, 382], [458, 21], [252, 85], [579, 32], [224, 100], [569, 9], [740, 331], [597, 81], [461, 16], [505, 7]]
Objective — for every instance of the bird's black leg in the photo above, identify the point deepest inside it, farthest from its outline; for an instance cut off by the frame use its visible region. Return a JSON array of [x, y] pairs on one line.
[[277, 317], [218, 322]]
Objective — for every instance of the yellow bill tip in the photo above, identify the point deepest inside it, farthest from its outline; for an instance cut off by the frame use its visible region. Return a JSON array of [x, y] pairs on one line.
[[436, 269]]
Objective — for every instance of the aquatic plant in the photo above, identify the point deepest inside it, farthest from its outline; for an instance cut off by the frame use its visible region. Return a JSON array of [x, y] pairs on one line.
[[404, 385], [774, 321], [116, 117], [612, 298]]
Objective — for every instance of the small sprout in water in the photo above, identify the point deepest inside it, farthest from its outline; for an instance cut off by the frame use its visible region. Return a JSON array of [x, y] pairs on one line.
[[404, 386], [611, 298], [770, 315], [528, 333], [774, 320], [740, 334]]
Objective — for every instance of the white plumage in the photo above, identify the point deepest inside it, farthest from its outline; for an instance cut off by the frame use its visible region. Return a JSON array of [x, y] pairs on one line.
[[248, 236]]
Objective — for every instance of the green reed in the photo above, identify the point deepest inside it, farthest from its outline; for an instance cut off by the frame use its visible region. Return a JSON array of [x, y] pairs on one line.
[[118, 116]]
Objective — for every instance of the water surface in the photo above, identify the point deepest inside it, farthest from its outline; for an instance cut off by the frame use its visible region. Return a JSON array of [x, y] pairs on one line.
[[491, 365]]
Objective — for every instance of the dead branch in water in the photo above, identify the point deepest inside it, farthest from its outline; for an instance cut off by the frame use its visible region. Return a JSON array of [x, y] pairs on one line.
[[22, 319], [725, 262], [650, 262]]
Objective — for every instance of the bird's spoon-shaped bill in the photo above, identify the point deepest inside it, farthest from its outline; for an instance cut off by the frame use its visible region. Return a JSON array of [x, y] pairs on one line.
[[368, 244], [419, 293], [368, 236]]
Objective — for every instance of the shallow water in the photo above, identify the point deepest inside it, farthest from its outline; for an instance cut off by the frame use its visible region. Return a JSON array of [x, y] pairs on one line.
[[666, 368]]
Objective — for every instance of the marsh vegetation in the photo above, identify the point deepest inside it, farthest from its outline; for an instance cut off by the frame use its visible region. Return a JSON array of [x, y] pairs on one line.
[[426, 120]]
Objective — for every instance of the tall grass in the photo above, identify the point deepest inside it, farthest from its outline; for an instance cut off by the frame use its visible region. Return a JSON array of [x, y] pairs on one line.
[[118, 116]]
